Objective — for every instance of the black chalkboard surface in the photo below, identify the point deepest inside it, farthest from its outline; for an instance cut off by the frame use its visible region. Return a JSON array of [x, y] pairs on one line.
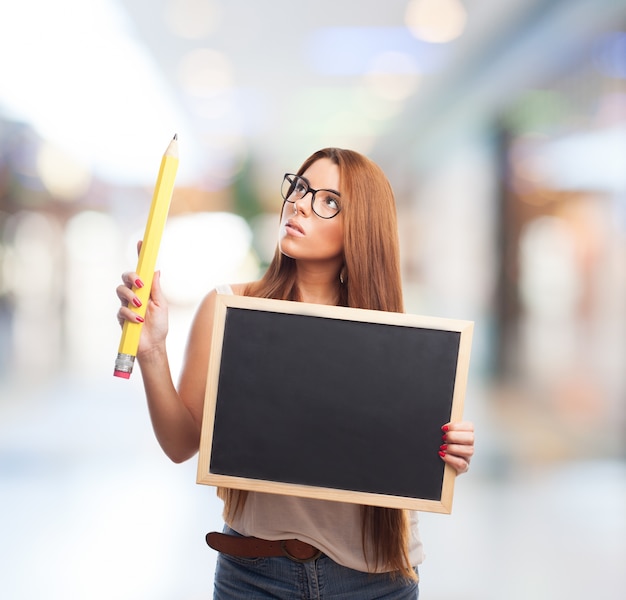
[[332, 402]]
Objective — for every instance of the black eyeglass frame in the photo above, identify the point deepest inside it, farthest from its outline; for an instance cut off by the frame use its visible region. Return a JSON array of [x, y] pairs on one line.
[[308, 189]]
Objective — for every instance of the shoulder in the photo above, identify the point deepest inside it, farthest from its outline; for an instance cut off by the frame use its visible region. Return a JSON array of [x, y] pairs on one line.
[[207, 305], [202, 324], [238, 289]]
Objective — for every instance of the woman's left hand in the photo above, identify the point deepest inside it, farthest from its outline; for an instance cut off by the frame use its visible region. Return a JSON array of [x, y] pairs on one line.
[[457, 446]]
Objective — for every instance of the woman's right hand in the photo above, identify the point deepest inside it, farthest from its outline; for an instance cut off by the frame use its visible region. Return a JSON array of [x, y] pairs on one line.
[[155, 325]]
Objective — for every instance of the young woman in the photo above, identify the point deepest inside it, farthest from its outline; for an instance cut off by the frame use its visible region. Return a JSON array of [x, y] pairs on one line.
[[337, 245]]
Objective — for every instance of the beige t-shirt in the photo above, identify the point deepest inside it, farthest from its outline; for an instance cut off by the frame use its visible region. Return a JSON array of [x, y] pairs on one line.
[[333, 527]]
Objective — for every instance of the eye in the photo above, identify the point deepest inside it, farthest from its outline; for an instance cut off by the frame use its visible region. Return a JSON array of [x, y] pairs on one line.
[[330, 201], [299, 187]]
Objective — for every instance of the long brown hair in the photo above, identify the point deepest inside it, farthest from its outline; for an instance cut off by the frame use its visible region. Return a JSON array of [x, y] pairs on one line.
[[370, 279]]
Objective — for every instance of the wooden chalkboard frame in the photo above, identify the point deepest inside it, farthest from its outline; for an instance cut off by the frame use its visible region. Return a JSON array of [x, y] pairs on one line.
[[456, 335]]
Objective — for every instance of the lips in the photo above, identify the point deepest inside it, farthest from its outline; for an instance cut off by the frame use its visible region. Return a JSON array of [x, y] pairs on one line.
[[294, 226]]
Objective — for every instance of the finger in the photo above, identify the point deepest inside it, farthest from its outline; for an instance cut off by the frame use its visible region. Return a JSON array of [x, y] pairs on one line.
[[127, 297], [458, 426], [130, 279], [461, 450], [156, 292], [458, 437], [125, 314], [124, 293], [460, 432], [459, 464]]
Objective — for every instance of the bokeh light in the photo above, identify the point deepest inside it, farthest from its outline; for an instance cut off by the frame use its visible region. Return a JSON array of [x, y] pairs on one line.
[[188, 254], [64, 177], [437, 21]]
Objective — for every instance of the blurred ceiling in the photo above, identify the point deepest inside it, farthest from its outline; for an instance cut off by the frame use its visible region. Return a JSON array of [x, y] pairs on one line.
[[270, 81], [305, 75]]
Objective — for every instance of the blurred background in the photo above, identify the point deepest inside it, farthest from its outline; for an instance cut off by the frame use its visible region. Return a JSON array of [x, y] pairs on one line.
[[502, 128]]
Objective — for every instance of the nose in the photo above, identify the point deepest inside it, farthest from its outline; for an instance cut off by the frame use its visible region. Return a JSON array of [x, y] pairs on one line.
[[297, 207]]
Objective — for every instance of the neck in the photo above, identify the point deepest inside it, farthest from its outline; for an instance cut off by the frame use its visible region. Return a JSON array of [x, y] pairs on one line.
[[318, 286]]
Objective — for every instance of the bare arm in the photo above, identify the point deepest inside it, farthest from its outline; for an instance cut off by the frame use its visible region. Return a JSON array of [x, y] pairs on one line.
[[176, 414]]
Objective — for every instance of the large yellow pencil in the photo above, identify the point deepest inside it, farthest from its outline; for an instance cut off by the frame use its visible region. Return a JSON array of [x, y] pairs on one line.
[[147, 257]]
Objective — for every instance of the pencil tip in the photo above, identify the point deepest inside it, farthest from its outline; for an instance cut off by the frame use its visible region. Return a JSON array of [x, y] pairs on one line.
[[175, 136]]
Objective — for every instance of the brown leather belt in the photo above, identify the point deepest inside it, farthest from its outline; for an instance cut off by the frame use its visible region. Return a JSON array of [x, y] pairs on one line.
[[251, 547]]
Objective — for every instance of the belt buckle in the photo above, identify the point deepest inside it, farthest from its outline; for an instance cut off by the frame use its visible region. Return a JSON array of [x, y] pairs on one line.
[[283, 547]]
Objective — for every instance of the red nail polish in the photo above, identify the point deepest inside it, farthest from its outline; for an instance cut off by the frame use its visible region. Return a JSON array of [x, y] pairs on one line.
[[444, 437], [139, 318], [442, 454], [443, 447], [137, 302], [445, 428], [138, 283]]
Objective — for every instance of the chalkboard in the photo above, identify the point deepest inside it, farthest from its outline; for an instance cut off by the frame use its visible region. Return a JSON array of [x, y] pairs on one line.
[[331, 402]]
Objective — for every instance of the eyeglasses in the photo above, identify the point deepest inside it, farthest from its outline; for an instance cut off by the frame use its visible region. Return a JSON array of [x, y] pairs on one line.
[[327, 205]]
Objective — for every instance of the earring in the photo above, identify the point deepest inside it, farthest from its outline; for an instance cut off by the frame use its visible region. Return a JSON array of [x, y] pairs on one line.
[[342, 274]]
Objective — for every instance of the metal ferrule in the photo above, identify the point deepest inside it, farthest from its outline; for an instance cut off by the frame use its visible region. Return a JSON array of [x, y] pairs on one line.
[[124, 363]]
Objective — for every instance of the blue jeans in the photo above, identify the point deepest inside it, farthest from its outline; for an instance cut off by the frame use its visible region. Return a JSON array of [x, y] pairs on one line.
[[322, 579]]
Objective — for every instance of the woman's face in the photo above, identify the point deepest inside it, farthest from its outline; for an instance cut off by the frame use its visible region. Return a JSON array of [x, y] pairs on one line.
[[305, 236]]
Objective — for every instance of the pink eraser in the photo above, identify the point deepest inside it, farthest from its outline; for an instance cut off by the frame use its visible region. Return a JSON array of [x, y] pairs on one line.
[[124, 374]]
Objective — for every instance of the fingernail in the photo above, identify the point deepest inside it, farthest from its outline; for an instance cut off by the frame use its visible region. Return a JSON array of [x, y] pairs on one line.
[[445, 428], [140, 319], [443, 447], [137, 302], [138, 283], [444, 437], [442, 454]]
